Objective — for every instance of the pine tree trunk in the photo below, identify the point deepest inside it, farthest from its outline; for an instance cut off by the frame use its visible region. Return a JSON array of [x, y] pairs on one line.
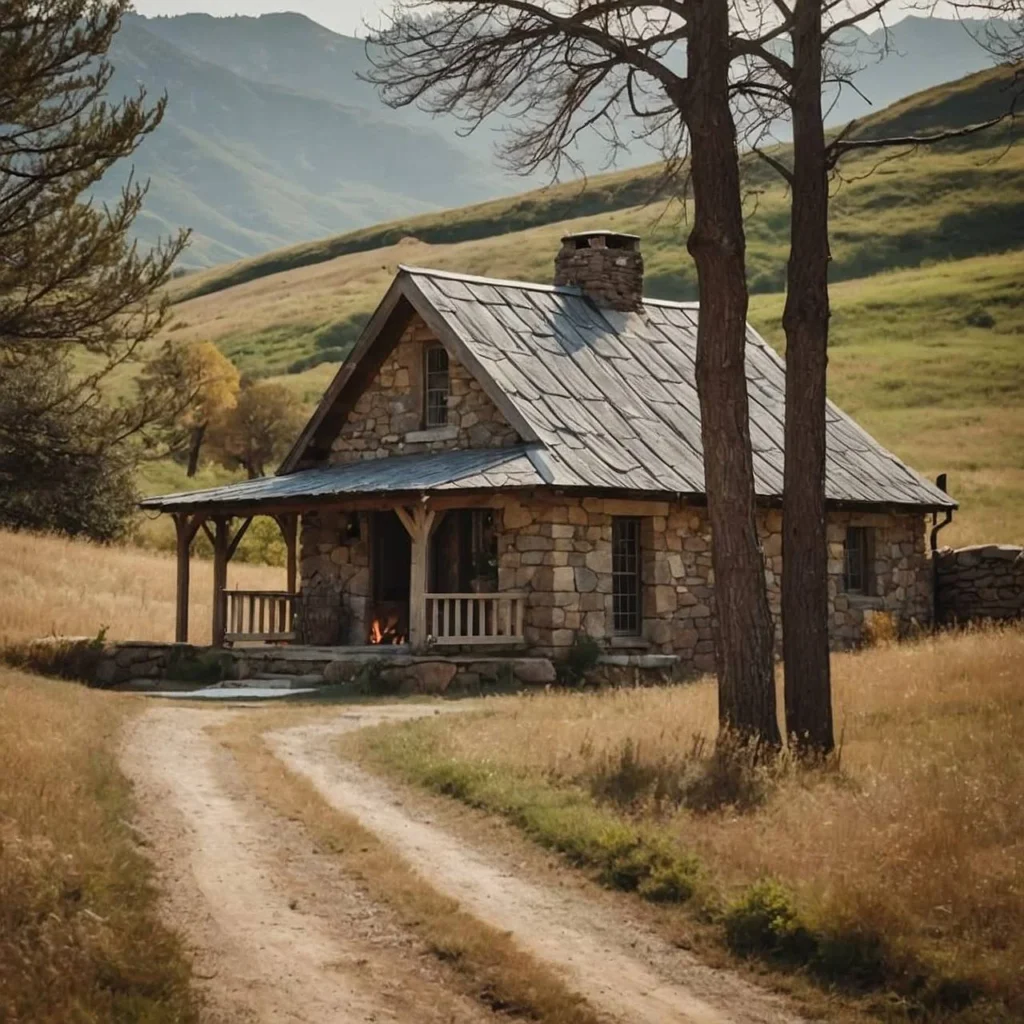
[[195, 445], [743, 648], [808, 686]]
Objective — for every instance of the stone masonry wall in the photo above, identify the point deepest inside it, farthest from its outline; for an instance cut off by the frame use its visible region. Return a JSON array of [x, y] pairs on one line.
[[978, 583], [559, 552], [387, 418], [902, 575], [333, 558]]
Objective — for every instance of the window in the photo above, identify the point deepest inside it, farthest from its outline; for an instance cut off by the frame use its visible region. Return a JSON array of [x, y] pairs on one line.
[[626, 596], [435, 392], [857, 561]]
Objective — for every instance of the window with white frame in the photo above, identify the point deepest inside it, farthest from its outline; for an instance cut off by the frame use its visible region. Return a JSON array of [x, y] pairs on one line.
[[436, 386]]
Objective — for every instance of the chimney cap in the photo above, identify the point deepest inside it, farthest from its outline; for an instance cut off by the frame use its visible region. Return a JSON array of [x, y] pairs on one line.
[[611, 239]]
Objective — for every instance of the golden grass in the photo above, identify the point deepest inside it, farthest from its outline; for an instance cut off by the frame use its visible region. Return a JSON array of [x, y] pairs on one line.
[[79, 937], [487, 963], [52, 585], [919, 839]]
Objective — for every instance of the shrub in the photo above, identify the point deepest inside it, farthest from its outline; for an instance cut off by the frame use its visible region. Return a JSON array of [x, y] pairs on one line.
[[372, 679], [763, 921], [581, 659], [880, 629], [980, 318]]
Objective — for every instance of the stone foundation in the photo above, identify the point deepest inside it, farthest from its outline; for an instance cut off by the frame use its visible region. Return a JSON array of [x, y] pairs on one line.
[[979, 583], [398, 672]]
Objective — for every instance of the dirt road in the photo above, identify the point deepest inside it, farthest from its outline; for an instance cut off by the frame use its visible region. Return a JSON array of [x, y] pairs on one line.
[[281, 937]]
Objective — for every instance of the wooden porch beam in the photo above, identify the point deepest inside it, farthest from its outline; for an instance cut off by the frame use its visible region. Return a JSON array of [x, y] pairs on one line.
[[237, 539]]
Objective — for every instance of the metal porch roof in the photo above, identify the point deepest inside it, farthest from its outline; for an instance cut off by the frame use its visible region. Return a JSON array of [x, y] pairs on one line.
[[462, 469]]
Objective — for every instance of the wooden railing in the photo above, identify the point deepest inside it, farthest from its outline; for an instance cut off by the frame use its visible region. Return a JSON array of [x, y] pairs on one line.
[[456, 619], [259, 615]]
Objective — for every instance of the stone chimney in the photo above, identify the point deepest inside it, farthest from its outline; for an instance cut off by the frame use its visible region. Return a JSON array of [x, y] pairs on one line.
[[606, 265]]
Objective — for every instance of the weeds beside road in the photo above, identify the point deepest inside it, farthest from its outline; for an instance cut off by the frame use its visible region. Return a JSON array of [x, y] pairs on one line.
[[899, 876], [80, 939]]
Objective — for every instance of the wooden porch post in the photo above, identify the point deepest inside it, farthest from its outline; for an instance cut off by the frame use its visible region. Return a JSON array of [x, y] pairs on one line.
[[419, 522], [221, 554], [185, 527], [289, 523], [181, 525]]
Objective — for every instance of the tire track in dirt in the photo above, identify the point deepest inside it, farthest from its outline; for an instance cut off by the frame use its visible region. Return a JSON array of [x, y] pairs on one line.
[[278, 935], [636, 979]]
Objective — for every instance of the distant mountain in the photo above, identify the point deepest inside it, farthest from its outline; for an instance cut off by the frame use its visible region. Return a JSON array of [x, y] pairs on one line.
[[271, 138], [251, 166], [916, 53]]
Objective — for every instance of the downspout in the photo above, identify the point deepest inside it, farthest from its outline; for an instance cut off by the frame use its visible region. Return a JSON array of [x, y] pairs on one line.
[[940, 482]]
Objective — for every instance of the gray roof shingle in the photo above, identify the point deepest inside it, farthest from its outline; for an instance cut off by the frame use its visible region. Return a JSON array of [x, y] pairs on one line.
[[602, 400], [612, 396]]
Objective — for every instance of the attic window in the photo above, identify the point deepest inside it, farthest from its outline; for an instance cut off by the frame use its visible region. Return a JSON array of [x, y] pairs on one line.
[[437, 385]]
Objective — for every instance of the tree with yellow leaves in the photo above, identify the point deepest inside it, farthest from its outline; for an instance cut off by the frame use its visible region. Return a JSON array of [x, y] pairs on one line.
[[193, 384]]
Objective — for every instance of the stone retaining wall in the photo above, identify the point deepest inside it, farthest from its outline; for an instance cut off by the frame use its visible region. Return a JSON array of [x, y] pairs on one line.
[[978, 583], [400, 673]]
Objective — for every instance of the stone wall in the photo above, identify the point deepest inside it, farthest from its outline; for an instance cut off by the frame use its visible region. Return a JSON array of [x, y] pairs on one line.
[[902, 580], [387, 418], [335, 556], [559, 552], [978, 583]]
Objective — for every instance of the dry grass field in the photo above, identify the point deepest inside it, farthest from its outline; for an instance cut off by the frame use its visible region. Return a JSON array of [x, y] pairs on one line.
[[55, 586], [903, 871], [80, 942]]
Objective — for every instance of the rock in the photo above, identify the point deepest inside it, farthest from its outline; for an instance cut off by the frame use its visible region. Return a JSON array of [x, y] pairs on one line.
[[534, 671], [427, 676], [586, 580], [340, 672], [106, 672]]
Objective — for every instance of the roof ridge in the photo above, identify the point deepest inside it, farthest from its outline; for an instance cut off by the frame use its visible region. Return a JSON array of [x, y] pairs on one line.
[[451, 275]]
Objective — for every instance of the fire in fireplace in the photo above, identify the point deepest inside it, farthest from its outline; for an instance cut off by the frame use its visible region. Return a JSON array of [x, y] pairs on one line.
[[387, 630]]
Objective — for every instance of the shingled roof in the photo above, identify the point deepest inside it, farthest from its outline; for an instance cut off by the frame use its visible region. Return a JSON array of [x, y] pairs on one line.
[[611, 397], [603, 400]]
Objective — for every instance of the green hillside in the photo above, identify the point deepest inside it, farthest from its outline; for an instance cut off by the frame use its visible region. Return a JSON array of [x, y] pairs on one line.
[[928, 290], [637, 194]]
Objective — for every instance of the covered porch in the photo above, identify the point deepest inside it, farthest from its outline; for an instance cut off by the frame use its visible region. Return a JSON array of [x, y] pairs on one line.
[[427, 559]]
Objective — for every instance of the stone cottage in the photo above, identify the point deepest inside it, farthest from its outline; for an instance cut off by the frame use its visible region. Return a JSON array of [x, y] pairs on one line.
[[505, 464]]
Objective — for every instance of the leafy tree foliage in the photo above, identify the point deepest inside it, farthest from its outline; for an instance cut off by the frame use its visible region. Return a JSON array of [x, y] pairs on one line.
[[60, 469], [193, 384], [72, 283], [259, 430]]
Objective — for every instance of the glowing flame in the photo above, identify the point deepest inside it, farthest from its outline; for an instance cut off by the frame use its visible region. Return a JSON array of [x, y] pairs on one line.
[[386, 633]]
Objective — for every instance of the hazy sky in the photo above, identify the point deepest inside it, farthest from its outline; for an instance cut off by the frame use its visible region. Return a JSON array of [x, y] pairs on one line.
[[346, 16]]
